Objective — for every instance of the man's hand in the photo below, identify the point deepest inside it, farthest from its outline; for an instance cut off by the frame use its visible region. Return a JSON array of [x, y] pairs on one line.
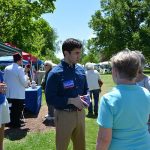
[[77, 101], [3, 88], [84, 100]]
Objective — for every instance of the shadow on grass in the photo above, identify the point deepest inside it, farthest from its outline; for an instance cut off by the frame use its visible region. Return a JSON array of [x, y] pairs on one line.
[[91, 117], [15, 134]]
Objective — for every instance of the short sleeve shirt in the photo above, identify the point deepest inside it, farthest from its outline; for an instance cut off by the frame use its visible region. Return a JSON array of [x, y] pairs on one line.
[[126, 110]]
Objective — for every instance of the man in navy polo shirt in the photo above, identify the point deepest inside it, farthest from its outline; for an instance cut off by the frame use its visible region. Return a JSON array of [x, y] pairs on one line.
[[65, 87]]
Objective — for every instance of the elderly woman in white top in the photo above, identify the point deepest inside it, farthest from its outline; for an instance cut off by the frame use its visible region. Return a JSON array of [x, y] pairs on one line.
[[48, 65], [94, 84]]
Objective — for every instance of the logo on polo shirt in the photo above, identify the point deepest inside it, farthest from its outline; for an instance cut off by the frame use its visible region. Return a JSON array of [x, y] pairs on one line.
[[68, 84]]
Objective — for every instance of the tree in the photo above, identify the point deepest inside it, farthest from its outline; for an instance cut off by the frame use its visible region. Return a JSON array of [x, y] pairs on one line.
[[41, 40], [22, 26], [89, 56], [121, 24]]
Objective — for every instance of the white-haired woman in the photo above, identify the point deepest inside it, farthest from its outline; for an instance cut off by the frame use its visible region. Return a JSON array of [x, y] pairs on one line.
[[48, 65], [124, 111]]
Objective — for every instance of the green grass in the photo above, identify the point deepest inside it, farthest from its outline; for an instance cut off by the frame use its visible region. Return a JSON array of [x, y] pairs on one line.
[[33, 141], [46, 140], [147, 71], [107, 83]]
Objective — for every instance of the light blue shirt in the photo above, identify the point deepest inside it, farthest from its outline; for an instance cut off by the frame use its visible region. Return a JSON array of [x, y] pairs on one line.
[[126, 110]]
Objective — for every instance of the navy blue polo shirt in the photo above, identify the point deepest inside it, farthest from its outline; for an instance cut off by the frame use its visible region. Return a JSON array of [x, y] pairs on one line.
[[63, 82], [2, 96]]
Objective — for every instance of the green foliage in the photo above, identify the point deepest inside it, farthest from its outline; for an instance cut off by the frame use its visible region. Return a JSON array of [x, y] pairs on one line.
[[51, 56], [41, 40], [121, 24], [22, 26], [89, 56]]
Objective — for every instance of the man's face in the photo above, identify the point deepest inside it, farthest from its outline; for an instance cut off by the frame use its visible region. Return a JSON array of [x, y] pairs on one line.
[[20, 62], [74, 56], [28, 69]]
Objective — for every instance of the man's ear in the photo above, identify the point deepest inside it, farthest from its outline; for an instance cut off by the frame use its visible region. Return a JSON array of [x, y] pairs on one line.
[[66, 53]]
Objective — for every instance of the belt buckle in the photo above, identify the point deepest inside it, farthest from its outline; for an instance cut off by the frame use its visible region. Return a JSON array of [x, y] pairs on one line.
[[67, 109]]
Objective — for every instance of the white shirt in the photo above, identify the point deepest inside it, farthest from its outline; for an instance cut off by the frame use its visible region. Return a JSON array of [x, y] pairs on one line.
[[16, 81], [92, 79]]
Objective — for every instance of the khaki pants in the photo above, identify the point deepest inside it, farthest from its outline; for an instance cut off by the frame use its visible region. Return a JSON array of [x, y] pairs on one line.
[[70, 125]]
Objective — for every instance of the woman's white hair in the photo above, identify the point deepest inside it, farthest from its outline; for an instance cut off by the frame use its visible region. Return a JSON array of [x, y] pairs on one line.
[[49, 62], [89, 66]]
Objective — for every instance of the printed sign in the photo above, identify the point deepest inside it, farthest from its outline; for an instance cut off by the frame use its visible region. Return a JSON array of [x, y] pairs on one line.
[[68, 84]]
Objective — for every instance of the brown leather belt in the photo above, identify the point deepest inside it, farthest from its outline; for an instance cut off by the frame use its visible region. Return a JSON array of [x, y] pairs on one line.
[[70, 109]]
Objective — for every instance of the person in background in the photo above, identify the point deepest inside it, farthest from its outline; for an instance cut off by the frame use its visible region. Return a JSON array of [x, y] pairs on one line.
[[94, 85], [48, 65], [142, 79], [27, 71], [66, 85], [35, 74], [124, 111], [4, 110], [16, 82]]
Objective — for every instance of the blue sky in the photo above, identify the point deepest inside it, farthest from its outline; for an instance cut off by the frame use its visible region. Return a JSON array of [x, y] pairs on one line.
[[71, 17]]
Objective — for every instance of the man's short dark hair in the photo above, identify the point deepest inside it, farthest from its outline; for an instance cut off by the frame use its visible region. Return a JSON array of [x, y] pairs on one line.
[[17, 57], [71, 44]]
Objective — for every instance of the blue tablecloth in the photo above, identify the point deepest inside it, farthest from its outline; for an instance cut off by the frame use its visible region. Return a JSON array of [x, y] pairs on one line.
[[33, 98]]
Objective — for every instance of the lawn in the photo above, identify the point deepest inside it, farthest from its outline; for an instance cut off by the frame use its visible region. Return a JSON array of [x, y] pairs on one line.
[[46, 140]]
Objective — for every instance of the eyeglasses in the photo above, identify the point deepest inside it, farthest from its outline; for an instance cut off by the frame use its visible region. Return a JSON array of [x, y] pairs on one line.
[[45, 65]]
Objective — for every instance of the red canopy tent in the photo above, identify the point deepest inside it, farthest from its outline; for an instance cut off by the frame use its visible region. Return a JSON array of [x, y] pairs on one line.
[[29, 57]]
